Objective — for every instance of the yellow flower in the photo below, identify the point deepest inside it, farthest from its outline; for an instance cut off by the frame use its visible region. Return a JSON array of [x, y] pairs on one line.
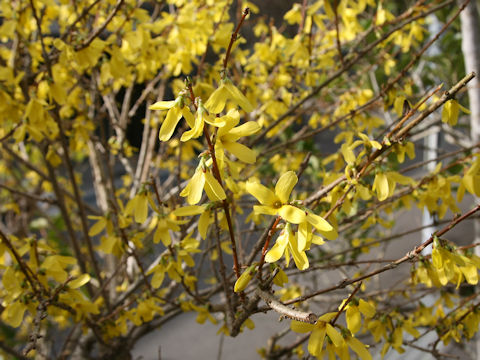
[[228, 135], [176, 109], [318, 332], [276, 203], [203, 179], [243, 281], [287, 243], [353, 311], [201, 118], [227, 91], [138, 205], [338, 344]]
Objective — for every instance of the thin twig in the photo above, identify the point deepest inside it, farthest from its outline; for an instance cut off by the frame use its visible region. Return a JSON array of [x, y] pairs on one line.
[[234, 38]]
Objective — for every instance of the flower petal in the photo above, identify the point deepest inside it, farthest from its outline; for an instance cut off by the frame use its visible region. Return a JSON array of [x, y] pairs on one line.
[[299, 257], [359, 348], [170, 123], [354, 320], [237, 96], [196, 184], [242, 152], [335, 336], [315, 342], [189, 210], [285, 185], [278, 249], [162, 105], [246, 129], [196, 131], [213, 188], [292, 214], [217, 100], [301, 327], [322, 226], [267, 210], [263, 194]]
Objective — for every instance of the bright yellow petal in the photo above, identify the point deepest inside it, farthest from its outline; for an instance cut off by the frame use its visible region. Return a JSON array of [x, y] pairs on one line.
[[246, 129], [197, 182], [162, 105], [267, 210], [303, 235], [197, 129], [292, 214], [315, 342], [380, 185], [216, 102], [189, 210], [367, 309], [301, 327], [285, 185], [263, 194], [335, 336], [354, 320], [322, 226], [318, 222], [203, 223], [141, 208], [13, 314], [213, 188], [170, 123], [242, 152], [188, 116], [299, 257], [237, 96], [359, 348], [79, 281], [278, 249]]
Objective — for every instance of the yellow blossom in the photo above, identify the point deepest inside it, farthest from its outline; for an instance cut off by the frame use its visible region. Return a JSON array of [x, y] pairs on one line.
[[287, 243], [227, 91], [228, 135], [176, 109], [203, 179]]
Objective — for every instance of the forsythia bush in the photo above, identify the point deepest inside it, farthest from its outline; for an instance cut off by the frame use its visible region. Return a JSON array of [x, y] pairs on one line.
[[160, 157]]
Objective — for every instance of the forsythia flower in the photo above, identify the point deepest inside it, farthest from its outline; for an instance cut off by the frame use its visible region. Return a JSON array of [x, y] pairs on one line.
[[201, 118], [228, 135], [203, 179], [286, 243], [353, 311], [176, 109], [244, 279], [276, 203], [227, 91], [339, 344]]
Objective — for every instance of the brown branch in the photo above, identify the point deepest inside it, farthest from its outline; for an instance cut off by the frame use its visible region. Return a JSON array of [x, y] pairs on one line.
[[234, 38], [276, 305], [265, 247], [227, 287]]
